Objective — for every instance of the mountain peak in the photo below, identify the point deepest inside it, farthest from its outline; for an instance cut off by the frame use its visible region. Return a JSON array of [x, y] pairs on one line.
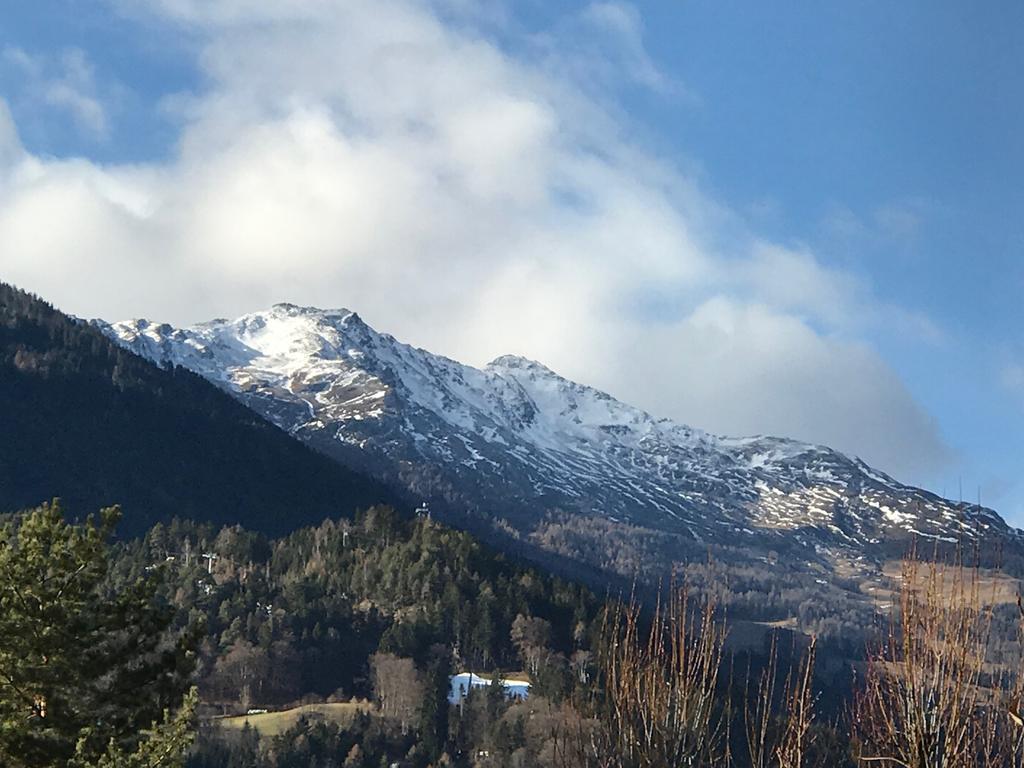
[[519, 363], [287, 309], [518, 439]]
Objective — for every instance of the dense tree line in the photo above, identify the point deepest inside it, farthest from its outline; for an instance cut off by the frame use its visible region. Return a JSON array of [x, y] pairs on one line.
[[769, 586], [99, 644], [95, 642], [381, 608], [89, 674], [93, 423], [303, 614], [385, 609]]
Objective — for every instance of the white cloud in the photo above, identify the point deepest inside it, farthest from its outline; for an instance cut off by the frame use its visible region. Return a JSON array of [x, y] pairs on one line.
[[793, 280], [467, 199], [895, 225], [739, 364], [65, 83], [11, 151], [604, 42]]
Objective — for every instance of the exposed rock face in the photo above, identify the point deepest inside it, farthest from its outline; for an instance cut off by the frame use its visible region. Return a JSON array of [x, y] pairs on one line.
[[514, 440]]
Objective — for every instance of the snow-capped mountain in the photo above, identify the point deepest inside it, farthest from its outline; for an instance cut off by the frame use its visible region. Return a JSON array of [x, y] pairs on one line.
[[516, 441]]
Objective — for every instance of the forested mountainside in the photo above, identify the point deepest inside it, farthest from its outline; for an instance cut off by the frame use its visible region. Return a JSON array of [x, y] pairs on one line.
[[354, 611], [374, 615], [87, 420], [557, 465], [337, 646], [308, 609]]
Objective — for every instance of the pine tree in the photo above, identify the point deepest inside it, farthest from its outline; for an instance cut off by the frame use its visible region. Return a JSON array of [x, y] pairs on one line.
[[434, 711], [88, 676], [247, 749]]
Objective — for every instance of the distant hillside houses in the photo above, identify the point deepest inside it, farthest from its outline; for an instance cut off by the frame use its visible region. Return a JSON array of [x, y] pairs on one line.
[[464, 682]]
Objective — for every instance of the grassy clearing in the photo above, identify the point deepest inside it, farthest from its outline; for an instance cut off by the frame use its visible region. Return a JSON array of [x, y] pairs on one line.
[[994, 588], [274, 723]]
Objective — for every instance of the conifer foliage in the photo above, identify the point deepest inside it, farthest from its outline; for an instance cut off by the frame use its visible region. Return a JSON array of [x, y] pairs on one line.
[[88, 676], [85, 420]]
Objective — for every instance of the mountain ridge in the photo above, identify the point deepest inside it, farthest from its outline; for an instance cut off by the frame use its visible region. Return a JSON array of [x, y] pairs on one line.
[[518, 443], [86, 420]]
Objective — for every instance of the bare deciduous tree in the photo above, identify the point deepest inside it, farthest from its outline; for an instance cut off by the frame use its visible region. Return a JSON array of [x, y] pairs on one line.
[[397, 687], [531, 636], [241, 672], [779, 733], [658, 706], [580, 663], [930, 699]]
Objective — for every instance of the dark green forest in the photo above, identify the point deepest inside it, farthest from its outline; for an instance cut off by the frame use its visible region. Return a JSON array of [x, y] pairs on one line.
[[307, 610], [304, 618], [85, 420], [349, 632], [378, 611]]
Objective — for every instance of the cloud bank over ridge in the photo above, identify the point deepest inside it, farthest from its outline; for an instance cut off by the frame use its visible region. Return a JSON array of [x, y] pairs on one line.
[[467, 195]]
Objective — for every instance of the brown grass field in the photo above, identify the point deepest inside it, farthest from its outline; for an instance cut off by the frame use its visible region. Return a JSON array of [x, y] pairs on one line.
[[274, 723], [994, 588]]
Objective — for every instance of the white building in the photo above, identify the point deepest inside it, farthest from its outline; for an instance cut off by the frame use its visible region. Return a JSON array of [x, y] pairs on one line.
[[463, 682]]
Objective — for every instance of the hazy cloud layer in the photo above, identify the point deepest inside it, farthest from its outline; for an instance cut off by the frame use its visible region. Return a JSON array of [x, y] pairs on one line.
[[467, 199], [62, 84]]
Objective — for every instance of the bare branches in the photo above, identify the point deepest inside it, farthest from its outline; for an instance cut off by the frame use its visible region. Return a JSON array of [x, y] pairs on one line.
[[929, 699], [798, 713], [659, 706], [780, 735]]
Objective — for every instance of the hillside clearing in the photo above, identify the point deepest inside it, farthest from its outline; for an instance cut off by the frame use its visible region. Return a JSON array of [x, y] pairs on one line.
[[275, 723]]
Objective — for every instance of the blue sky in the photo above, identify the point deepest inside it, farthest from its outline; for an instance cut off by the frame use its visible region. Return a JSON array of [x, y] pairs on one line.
[[791, 217], [823, 111]]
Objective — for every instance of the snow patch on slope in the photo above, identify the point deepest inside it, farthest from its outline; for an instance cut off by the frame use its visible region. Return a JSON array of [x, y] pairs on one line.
[[516, 434]]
